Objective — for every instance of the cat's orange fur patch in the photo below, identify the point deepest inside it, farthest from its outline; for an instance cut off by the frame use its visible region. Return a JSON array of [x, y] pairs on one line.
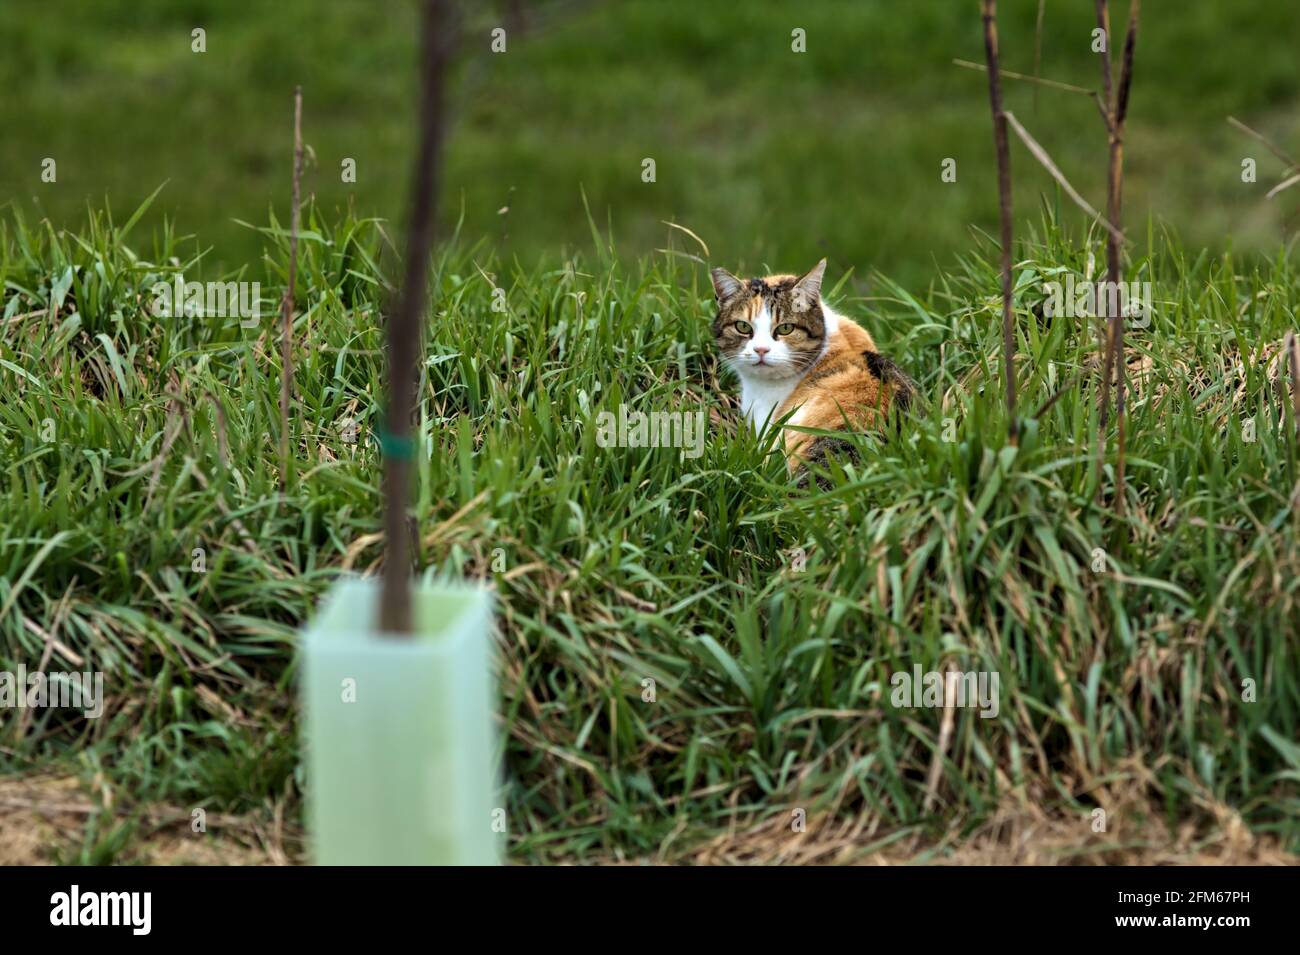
[[840, 385]]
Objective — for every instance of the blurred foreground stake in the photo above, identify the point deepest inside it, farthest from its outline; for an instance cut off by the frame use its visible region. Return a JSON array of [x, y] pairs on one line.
[[399, 739]]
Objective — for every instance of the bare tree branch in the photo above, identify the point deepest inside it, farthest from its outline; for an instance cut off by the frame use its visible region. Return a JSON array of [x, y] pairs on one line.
[[1054, 84], [1041, 155], [1038, 49], [1283, 185], [1292, 347], [286, 303], [989, 12], [438, 24], [1113, 363], [1268, 143]]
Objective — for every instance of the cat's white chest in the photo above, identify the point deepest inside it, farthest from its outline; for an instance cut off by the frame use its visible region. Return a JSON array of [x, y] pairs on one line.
[[759, 398]]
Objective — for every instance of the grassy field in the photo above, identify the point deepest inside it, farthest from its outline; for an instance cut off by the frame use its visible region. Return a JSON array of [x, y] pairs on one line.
[[778, 157], [770, 619]]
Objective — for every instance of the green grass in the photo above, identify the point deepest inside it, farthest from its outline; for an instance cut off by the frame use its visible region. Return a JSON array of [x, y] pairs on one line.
[[621, 565], [774, 157]]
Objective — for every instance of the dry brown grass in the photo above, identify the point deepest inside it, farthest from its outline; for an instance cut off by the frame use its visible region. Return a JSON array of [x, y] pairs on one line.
[[1015, 835], [43, 821]]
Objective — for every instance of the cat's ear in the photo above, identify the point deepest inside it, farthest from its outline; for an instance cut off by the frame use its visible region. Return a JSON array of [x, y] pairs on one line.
[[725, 284], [808, 290]]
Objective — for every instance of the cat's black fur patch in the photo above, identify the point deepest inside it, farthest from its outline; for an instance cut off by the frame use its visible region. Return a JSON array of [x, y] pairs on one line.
[[904, 390], [760, 287], [876, 363], [883, 369], [819, 452]]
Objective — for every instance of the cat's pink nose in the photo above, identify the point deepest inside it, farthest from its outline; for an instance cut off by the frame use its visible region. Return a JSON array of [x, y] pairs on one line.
[[761, 350]]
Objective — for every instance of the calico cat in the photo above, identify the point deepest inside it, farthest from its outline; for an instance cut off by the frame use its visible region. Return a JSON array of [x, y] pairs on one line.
[[793, 353]]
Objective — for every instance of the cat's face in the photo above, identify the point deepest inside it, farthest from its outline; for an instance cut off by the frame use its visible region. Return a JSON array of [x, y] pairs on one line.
[[770, 327]]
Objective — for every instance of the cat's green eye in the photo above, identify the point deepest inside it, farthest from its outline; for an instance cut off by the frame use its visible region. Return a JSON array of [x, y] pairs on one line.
[[744, 328], [785, 328]]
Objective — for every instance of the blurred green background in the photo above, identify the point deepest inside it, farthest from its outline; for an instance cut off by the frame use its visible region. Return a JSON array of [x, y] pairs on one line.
[[773, 157]]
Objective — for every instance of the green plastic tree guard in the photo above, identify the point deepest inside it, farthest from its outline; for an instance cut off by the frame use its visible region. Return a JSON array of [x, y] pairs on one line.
[[399, 738]]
